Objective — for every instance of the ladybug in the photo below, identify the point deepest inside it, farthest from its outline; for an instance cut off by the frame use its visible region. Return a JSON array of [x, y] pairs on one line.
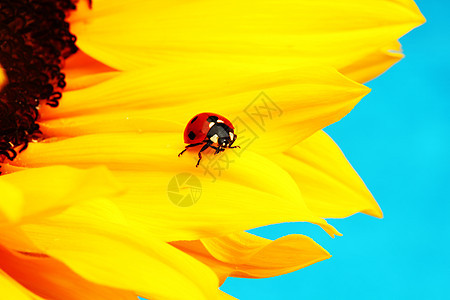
[[210, 130]]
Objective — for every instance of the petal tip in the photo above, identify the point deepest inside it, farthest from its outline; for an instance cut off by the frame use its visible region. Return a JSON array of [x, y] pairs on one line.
[[375, 212]]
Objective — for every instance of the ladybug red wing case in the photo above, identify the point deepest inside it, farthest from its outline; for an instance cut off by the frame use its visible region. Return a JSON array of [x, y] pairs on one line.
[[197, 129]]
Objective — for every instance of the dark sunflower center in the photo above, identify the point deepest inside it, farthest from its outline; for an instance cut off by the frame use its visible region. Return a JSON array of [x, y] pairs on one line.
[[34, 42]]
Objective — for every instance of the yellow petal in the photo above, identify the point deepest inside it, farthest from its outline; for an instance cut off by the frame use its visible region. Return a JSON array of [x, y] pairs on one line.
[[50, 279], [272, 33], [246, 255], [95, 241], [88, 80], [35, 193], [271, 111], [249, 191], [9, 289], [374, 64], [11, 209], [44, 191], [83, 71], [197, 250], [125, 121], [14, 238], [330, 186], [225, 296]]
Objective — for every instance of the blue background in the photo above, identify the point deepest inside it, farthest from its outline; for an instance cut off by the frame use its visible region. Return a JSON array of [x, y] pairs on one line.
[[398, 140]]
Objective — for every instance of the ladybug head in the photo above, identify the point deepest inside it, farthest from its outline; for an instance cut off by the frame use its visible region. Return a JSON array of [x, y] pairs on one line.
[[224, 142], [227, 141]]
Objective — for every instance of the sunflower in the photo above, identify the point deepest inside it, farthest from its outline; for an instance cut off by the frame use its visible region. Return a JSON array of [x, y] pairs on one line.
[[88, 211]]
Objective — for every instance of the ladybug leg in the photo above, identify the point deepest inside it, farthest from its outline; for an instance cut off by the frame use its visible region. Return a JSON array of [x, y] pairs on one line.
[[189, 146], [205, 146], [232, 147], [218, 149], [232, 141]]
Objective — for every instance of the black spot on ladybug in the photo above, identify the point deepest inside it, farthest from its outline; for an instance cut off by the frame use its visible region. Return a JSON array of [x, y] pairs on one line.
[[191, 135], [212, 119], [193, 120]]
